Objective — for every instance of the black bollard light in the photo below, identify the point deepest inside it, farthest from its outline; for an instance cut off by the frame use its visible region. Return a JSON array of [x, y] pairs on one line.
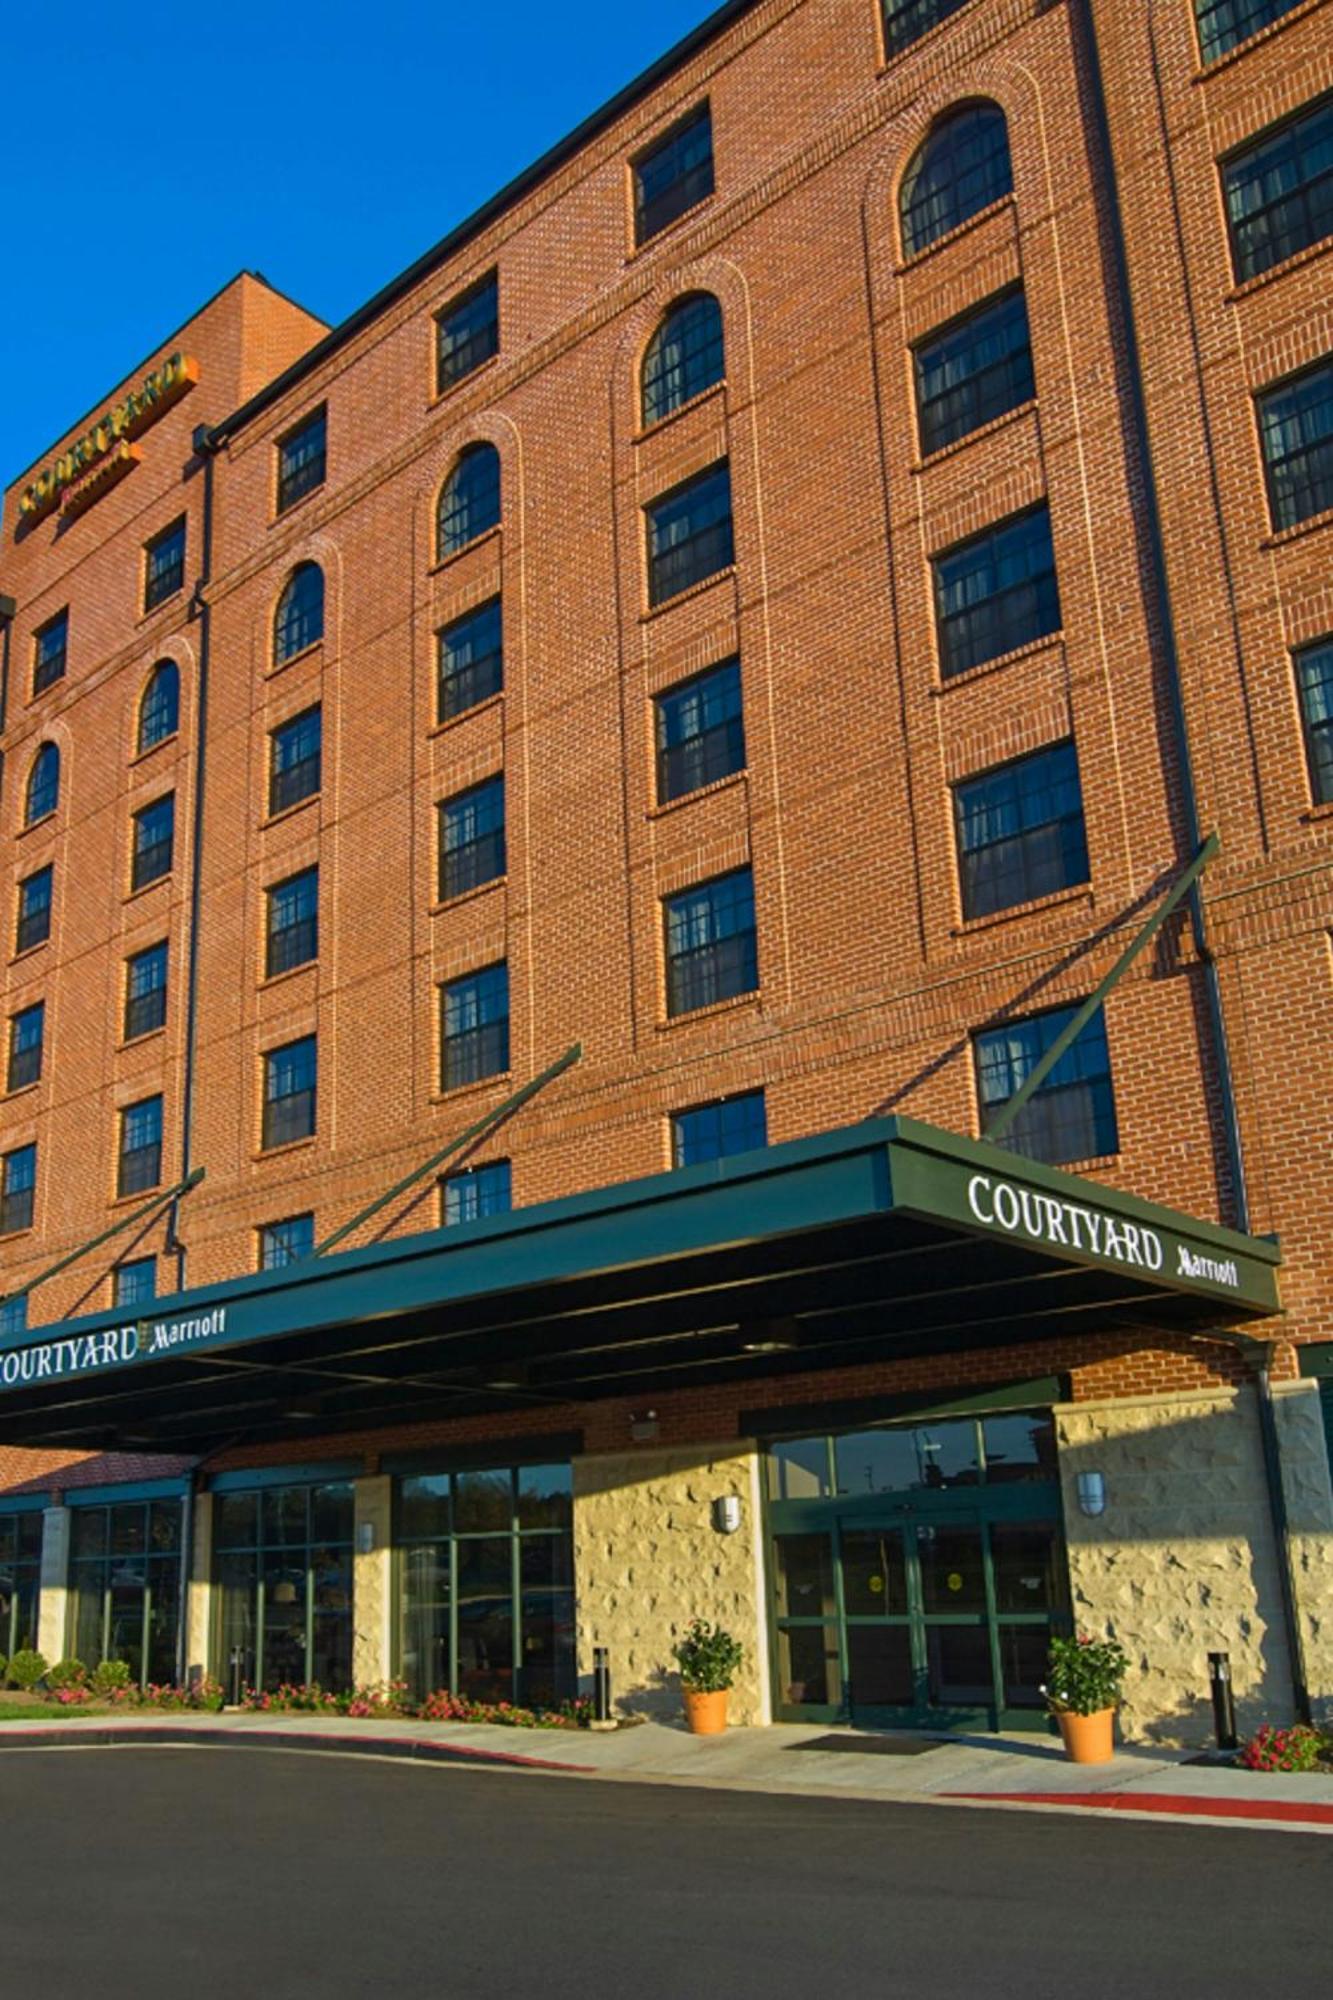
[[236, 1662], [1224, 1706], [601, 1684]]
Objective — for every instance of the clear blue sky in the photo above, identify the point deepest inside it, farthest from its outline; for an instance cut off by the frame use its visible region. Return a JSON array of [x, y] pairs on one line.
[[339, 142]]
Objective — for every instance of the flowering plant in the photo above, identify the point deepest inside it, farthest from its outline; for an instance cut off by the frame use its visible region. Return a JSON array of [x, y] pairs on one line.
[[1086, 1674], [391, 1698], [1297, 1749]]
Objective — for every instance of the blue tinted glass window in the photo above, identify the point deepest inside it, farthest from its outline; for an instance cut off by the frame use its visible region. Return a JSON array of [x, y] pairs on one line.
[[716, 1131], [18, 1182], [299, 621], [469, 499], [1020, 831], [472, 838], [135, 1283], [34, 909], [996, 592], [159, 712], [475, 1027], [685, 356], [294, 770], [973, 372], [1314, 678], [471, 660], [43, 785], [1296, 431], [700, 731], [293, 922], [479, 1191], [26, 1032], [14, 1314], [711, 948], [50, 652], [140, 1146], [673, 174], [1279, 192], [689, 533], [467, 332], [164, 565], [1072, 1116], [302, 457], [962, 168], [1225, 23], [905, 21], [154, 842], [286, 1242], [289, 1092], [145, 991]]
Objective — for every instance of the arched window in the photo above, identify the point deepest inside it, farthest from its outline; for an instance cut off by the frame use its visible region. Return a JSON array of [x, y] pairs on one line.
[[300, 616], [43, 785], [469, 499], [685, 356], [962, 167], [159, 711]]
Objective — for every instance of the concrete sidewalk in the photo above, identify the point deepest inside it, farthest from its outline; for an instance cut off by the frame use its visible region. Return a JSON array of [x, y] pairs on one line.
[[994, 1771]]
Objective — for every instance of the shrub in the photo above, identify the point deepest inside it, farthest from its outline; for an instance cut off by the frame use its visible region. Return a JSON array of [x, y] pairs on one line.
[[1297, 1749], [66, 1674], [708, 1657], [4, 1670], [1085, 1675], [26, 1668], [110, 1677]]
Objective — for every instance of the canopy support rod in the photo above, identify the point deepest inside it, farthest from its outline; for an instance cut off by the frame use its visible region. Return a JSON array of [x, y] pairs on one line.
[[159, 1200], [468, 1138], [1037, 1075]]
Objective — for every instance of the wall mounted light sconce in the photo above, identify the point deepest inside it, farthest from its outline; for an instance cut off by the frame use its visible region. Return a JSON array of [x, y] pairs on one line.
[[1092, 1493], [365, 1538], [643, 1426], [727, 1513]]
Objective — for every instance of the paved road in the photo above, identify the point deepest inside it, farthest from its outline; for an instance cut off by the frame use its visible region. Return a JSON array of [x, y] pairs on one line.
[[254, 1875]]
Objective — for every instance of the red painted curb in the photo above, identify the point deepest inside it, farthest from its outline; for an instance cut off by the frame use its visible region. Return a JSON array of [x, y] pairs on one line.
[[1164, 1802]]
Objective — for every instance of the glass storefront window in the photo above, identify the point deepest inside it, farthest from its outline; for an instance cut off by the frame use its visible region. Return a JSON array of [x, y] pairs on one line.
[[1019, 1447], [798, 1469], [124, 1585], [20, 1580], [485, 1583], [926, 1456], [282, 1572]]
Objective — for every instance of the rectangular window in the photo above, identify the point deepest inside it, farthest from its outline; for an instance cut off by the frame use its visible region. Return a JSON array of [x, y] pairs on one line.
[[467, 332], [471, 660], [292, 936], [286, 1242], [145, 991], [474, 1031], [700, 732], [905, 21], [1279, 192], [716, 1131], [472, 838], [140, 1146], [154, 839], [1020, 831], [1224, 24], [25, 1046], [674, 174], [301, 459], [14, 1314], [34, 918], [164, 565], [294, 760], [134, 1284], [689, 533], [18, 1179], [711, 950], [1072, 1116], [478, 1191], [289, 1092], [1296, 432], [50, 652], [973, 371], [995, 592], [1314, 679]]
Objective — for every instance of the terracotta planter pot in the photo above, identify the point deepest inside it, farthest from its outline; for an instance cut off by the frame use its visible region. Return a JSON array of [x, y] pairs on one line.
[[705, 1714], [1088, 1739]]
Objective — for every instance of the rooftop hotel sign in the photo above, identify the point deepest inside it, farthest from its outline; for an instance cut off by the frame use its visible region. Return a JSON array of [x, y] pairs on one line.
[[107, 452]]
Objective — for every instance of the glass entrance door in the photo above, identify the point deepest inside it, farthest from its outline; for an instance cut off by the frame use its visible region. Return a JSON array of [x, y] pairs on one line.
[[917, 1619]]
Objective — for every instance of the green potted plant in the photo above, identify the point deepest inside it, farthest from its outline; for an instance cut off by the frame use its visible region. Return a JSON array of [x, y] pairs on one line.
[[1083, 1691], [708, 1658]]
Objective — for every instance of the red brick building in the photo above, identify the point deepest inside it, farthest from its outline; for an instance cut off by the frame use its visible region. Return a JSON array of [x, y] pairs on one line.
[[774, 601]]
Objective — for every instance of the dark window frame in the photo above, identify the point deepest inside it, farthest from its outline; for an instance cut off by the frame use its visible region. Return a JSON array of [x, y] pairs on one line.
[[1040, 1119], [18, 1188], [950, 199], [1318, 452], [906, 21], [308, 469], [480, 1049], [162, 580], [683, 185], [26, 1049], [121, 1272], [145, 1003], [1296, 217], [275, 1252], [1242, 19], [686, 760], [1045, 854], [1315, 697], [295, 942], [460, 688], [159, 706], [298, 619], [290, 1115], [724, 963], [489, 1190], [948, 414], [152, 860], [716, 1125], [479, 343], [287, 783], [701, 552], [41, 795], [49, 662], [1023, 612], [685, 358], [33, 926], [139, 1166], [481, 857], [473, 487]]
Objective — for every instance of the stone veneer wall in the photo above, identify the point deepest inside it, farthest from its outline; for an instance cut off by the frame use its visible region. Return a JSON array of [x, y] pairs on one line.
[[1184, 1559], [53, 1604], [372, 1582], [199, 1598], [647, 1559]]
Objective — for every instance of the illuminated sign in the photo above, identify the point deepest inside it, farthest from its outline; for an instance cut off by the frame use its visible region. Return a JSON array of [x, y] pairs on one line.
[[84, 472], [111, 1347]]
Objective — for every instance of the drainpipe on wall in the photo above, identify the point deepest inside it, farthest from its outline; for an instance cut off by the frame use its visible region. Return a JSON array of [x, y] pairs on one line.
[[205, 449], [1099, 136]]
